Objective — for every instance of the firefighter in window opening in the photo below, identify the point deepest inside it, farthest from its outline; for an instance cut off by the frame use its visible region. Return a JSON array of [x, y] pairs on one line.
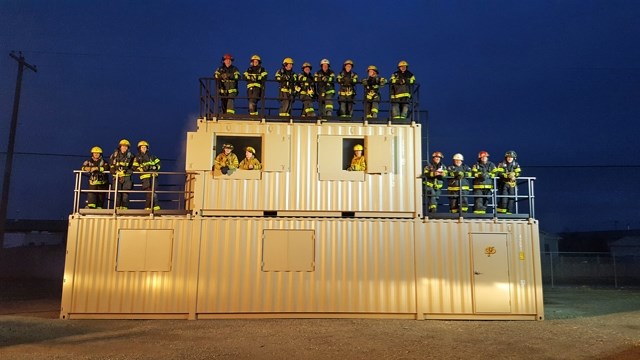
[[483, 172], [250, 162], [98, 180], [226, 161], [358, 163], [372, 85], [121, 167], [148, 164], [434, 172], [227, 77], [306, 89], [255, 76], [287, 79], [325, 78], [347, 93], [401, 86], [458, 185], [507, 172]]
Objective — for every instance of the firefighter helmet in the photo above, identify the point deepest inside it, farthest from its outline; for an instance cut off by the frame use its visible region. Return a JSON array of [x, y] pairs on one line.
[[227, 146], [124, 142], [96, 149], [306, 64], [256, 57], [372, 67], [403, 63], [227, 57], [482, 153], [287, 61], [511, 153], [250, 149], [437, 154], [143, 143], [358, 147], [324, 61], [348, 62], [458, 156]]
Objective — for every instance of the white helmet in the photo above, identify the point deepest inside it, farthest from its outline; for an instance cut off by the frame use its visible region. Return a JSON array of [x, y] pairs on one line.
[[324, 61], [458, 156]]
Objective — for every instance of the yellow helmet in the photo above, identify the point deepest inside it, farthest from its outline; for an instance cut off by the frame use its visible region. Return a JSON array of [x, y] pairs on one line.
[[358, 147], [124, 142], [403, 63], [96, 149], [372, 67], [250, 149], [306, 64], [287, 61], [256, 57], [143, 143], [348, 62], [227, 146]]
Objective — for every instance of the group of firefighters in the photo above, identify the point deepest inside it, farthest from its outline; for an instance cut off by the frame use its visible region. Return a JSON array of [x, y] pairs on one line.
[[227, 162], [483, 172], [121, 164], [320, 86]]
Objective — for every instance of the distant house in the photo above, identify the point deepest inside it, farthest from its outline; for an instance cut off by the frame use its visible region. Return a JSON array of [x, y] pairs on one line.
[[20, 233], [626, 246]]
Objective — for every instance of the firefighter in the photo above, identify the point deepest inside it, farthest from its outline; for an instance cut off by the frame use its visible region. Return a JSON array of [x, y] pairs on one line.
[[358, 162], [250, 162], [434, 172], [255, 76], [401, 86], [121, 167], [287, 79], [306, 90], [372, 85], [507, 172], [347, 79], [98, 180], [483, 172], [325, 78], [148, 164], [458, 186], [226, 161], [227, 77]]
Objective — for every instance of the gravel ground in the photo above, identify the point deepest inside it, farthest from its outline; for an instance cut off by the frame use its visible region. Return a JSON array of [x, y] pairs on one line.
[[581, 323]]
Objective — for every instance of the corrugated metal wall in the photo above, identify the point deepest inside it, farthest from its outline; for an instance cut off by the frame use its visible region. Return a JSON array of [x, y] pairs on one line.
[[363, 267]]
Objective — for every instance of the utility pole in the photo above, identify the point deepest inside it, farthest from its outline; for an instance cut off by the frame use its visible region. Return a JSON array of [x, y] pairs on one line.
[[4, 203]]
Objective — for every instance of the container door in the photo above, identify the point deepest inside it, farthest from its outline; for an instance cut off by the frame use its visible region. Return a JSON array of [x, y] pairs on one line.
[[491, 286]]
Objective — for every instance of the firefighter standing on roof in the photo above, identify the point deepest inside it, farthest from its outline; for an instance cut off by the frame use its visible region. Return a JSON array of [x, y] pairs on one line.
[[347, 93], [227, 77], [483, 172], [458, 186], [287, 79], [306, 89], [98, 180], [401, 86], [358, 163], [434, 172], [149, 164], [508, 172], [325, 78], [121, 166], [372, 85], [255, 76]]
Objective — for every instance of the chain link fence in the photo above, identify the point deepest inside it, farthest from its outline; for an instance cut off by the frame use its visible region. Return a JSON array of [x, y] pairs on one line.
[[599, 269]]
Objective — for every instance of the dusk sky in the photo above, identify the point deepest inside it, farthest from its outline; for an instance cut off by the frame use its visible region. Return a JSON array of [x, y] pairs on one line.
[[557, 81]]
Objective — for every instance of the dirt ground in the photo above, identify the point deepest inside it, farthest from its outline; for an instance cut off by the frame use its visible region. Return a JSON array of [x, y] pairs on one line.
[[581, 323]]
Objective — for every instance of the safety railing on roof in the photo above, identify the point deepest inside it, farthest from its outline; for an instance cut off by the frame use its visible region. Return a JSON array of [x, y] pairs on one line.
[[171, 195], [519, 204], [269, 104]]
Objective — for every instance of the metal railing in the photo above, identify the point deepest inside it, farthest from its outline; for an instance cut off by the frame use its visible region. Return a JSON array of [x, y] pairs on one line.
[[590, 269], [268, 105], [524, 201], [172, 193]]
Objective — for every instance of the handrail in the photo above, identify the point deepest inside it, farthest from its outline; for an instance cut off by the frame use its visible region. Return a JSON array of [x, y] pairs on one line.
[[268, 105], [172, 196]]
